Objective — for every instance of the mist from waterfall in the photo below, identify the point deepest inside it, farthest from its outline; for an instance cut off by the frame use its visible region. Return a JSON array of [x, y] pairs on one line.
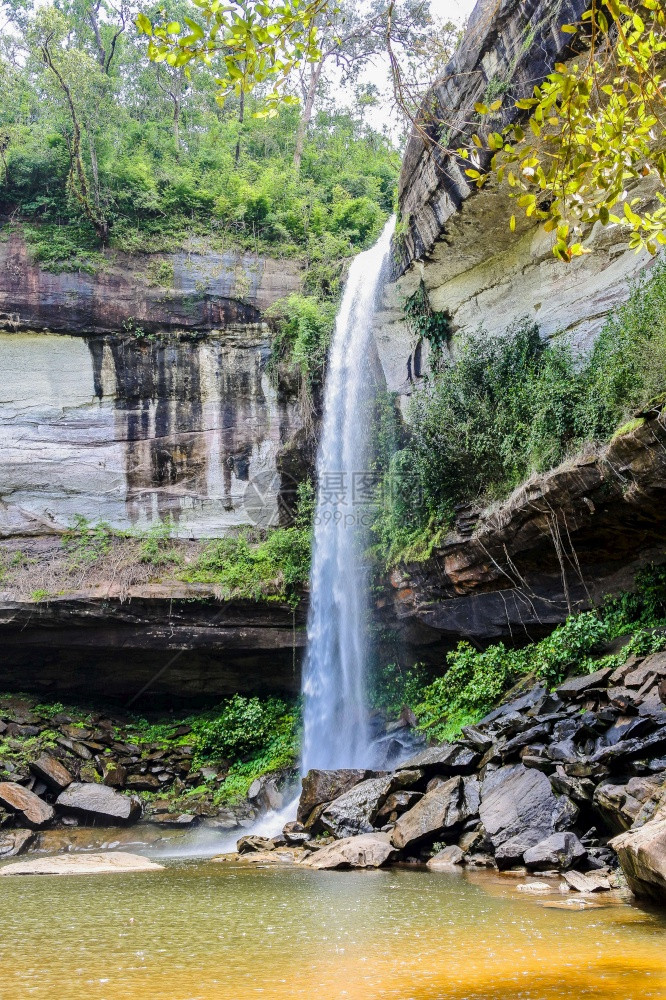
[[335, 711]]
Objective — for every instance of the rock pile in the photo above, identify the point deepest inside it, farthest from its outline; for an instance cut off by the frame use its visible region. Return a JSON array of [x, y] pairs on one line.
[[55, 772], [543, 783]]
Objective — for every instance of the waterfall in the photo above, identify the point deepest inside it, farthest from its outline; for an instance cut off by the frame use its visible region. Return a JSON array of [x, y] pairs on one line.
[[335, 715]]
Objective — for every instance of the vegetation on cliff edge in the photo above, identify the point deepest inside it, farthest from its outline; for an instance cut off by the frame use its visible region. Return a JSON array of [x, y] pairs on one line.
[[505, 407]]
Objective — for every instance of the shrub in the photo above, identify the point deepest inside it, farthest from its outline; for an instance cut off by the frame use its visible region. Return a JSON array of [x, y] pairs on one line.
[[509, 406], [475, 680], [305, 325]]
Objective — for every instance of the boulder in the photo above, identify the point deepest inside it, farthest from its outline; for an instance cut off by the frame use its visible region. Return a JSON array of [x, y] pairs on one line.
[[82, 864], [642, 854], [653, 667], [295, 833], [143, 782], [370, 850], [173, 819], [439, 813], [31, 809], [355, 811], [99, 804], [515, 799], [54, 774], [114, 774], [447, 859], [324, 786], [592, 882], [510, 853], [14, 842], [248, 844], [397, 803], [576, 687], [479, 740], [263, 792], [560, 851], [447, 759]]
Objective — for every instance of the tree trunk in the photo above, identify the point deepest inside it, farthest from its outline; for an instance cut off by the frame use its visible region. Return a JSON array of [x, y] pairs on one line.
[[315, 76], [241, 118], [176, 120], [93, 166]]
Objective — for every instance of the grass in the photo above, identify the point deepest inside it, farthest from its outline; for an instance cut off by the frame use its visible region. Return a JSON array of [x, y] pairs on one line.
[[272, 566]]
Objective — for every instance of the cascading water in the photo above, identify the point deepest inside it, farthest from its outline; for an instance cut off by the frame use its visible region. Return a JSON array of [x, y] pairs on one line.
[[335, 717], [335, 713]]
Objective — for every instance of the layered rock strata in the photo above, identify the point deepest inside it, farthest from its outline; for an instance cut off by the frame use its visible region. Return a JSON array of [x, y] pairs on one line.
[[560, 542]]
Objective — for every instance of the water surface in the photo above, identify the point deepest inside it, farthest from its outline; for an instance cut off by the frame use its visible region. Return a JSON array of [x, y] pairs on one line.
[[206, 931]]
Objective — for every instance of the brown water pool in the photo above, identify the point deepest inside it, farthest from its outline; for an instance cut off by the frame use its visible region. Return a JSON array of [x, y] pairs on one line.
[[205, 931]]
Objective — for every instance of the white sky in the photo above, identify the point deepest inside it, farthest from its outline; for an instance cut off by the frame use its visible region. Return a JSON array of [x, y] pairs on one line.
[[381, 116]]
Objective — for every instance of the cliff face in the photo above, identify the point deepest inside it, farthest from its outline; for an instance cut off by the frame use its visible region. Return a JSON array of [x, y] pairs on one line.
[[147, 402], [564, 539], [149, 293], [456, 239], [581, 531]]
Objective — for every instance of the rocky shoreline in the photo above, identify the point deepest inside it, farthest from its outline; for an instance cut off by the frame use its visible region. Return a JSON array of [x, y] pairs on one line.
[[61, 771], [571, 781]]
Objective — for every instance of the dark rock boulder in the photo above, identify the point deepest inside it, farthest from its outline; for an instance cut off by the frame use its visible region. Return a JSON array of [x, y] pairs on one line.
[[447, 759], [510, 853], [295, 833], [30, 808], [54, 774], [439, 813], [354, 812], [396, 804], [515, 798], [324, 786], [559, 851], [98, 804], [576, 687]]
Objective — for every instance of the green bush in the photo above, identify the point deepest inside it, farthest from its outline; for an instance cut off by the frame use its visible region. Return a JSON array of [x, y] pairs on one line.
[[275, 569], [475, 680], [513, 405], [305, 325], [243, 726], [258, 736]]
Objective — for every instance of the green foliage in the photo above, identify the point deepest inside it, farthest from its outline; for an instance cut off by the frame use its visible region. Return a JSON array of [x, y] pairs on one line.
[[257, 735], [305, 325], [275, 569], [513, 405], [156, 548], [393, 686], [64, 248], [86, 542], [432, 326], [242, 727], [475, 680]]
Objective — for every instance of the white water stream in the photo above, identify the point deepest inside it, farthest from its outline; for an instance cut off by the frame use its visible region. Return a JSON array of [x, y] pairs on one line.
[[335, 712], [334, 697]]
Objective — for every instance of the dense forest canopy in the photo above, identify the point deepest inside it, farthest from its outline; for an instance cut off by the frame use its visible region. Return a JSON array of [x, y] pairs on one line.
[[102, 147]]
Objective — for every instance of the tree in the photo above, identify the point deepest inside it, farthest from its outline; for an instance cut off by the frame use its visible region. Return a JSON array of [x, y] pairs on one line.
[[352, 37], [595, 127], [76, 80], [259, 42]]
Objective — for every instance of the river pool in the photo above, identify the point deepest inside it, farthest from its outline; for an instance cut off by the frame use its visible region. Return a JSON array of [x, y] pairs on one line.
[[200, 930]]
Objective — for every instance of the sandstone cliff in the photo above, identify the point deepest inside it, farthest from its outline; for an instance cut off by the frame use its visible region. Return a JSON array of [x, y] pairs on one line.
[[130, 402]]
